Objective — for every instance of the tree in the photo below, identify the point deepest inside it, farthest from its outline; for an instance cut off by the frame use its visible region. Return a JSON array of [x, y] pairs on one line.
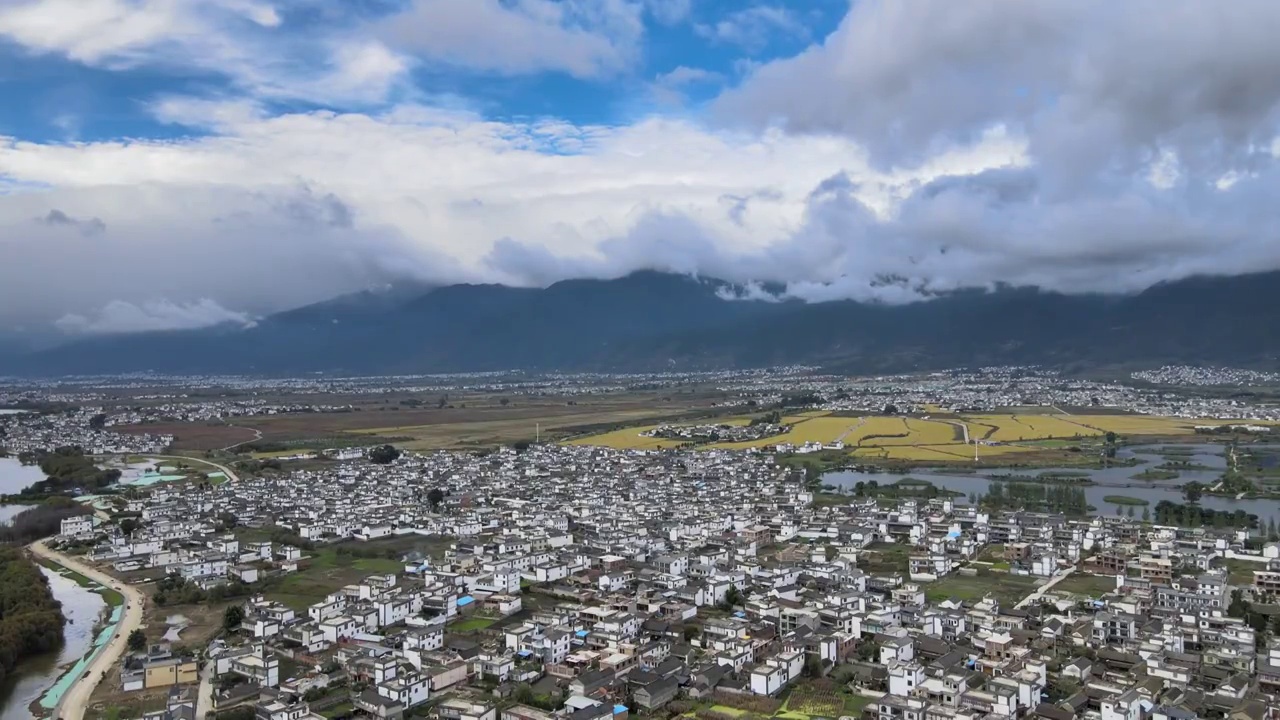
[[1192, 491], [435, 497], [1111, 438], [232, 617], [128, 525], [137, 641], [732, 597], [504, 402], [1239, 607], [384, 455], [868, 651], [812, 666], [1146, 514]]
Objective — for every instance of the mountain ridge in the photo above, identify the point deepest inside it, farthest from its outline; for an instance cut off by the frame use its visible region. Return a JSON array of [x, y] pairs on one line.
[[652, 321]]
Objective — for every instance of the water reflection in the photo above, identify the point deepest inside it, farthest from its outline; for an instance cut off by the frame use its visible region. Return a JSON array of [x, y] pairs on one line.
[[1149, 457], [33, 676]]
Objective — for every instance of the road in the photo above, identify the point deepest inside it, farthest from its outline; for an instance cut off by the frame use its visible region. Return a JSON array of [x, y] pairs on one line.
[[231, 475], [1040, 591], [76, 700], [257, 436], [204, 697]]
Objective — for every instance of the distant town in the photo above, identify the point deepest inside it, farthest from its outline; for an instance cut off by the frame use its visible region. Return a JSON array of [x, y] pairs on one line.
[[569, 577]]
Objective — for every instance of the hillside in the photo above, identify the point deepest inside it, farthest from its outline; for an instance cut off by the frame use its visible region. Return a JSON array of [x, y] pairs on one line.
[[650, 320]]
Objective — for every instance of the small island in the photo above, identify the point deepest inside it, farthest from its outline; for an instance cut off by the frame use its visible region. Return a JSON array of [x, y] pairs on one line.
[[1155, 474], [1124, 500]]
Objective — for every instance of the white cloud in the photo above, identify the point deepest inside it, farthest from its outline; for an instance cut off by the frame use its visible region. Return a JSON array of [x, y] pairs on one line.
[[670, 87], [752, 27], [584, 38], [124, 317], [669, 12], [279, 211], [243, 40]]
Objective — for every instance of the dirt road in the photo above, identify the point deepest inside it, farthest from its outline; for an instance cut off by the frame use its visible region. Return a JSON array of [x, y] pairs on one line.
[[76, 700]]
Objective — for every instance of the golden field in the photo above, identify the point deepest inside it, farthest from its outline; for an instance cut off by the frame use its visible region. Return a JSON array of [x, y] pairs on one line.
[[929, 440]]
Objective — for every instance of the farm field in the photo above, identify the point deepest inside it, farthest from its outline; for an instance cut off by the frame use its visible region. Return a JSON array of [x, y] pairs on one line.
[[469, 421], [1007, 589], [1032, 435], [1079, 583]]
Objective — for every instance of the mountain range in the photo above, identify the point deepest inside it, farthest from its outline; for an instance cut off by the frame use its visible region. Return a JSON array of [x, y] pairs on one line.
[[659, 321]]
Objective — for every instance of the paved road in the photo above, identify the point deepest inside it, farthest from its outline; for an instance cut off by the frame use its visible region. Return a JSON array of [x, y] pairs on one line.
[[231, 475], [76, 699], [204, 697], [1040, 591]]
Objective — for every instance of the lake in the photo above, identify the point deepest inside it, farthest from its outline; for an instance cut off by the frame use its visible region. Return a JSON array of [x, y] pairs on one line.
[[14, 478], [1153, 492], [34, 676]]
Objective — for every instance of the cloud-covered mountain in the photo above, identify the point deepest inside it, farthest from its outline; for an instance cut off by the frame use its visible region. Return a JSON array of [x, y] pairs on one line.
[[172, 165], [658, 321]]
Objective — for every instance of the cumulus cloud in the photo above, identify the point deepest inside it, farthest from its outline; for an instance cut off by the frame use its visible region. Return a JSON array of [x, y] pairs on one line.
[[279, 211], [923, 146], [123, 317], [584, 38], [246, 41]]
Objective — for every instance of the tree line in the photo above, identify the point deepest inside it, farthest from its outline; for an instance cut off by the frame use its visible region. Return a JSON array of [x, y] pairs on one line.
[[67, 468], [1192, 515], [31, 619], [1046, 497], [40, 521]]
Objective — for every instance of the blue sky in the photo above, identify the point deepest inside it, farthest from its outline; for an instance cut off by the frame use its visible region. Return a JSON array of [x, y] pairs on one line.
[[179, 163], [708, 44]]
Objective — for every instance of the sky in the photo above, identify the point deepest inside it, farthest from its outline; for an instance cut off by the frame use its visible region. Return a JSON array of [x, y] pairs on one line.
[[173, 164]]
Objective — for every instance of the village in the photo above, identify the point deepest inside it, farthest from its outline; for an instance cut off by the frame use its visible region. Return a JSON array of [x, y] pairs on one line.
[[587, 583]]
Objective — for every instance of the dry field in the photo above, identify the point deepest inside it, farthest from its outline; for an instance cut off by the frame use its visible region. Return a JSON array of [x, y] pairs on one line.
[[473, 422], [194, 436]]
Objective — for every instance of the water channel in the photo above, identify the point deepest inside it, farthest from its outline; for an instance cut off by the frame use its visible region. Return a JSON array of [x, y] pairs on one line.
[[1210, 456], [34, 676]]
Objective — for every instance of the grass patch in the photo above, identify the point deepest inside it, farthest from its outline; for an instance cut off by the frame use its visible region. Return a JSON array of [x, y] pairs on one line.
[[472, 624], [726, 710], [1240, 572], [1124, 500], [1154, 474], [1007, 589], [1079, 583], [341, 709], [885, 558], [330, 570]]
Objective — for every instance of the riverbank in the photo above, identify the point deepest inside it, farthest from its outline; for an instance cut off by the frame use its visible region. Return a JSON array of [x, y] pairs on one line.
[[69, 697]]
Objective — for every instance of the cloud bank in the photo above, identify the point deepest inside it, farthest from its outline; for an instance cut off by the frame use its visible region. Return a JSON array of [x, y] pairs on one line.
[[920, 146], [122, 317]]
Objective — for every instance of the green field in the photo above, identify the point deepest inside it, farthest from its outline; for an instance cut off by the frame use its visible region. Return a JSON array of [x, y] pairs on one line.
[[330, 570], [1007, 589], [472, 624], [1079, 583]]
